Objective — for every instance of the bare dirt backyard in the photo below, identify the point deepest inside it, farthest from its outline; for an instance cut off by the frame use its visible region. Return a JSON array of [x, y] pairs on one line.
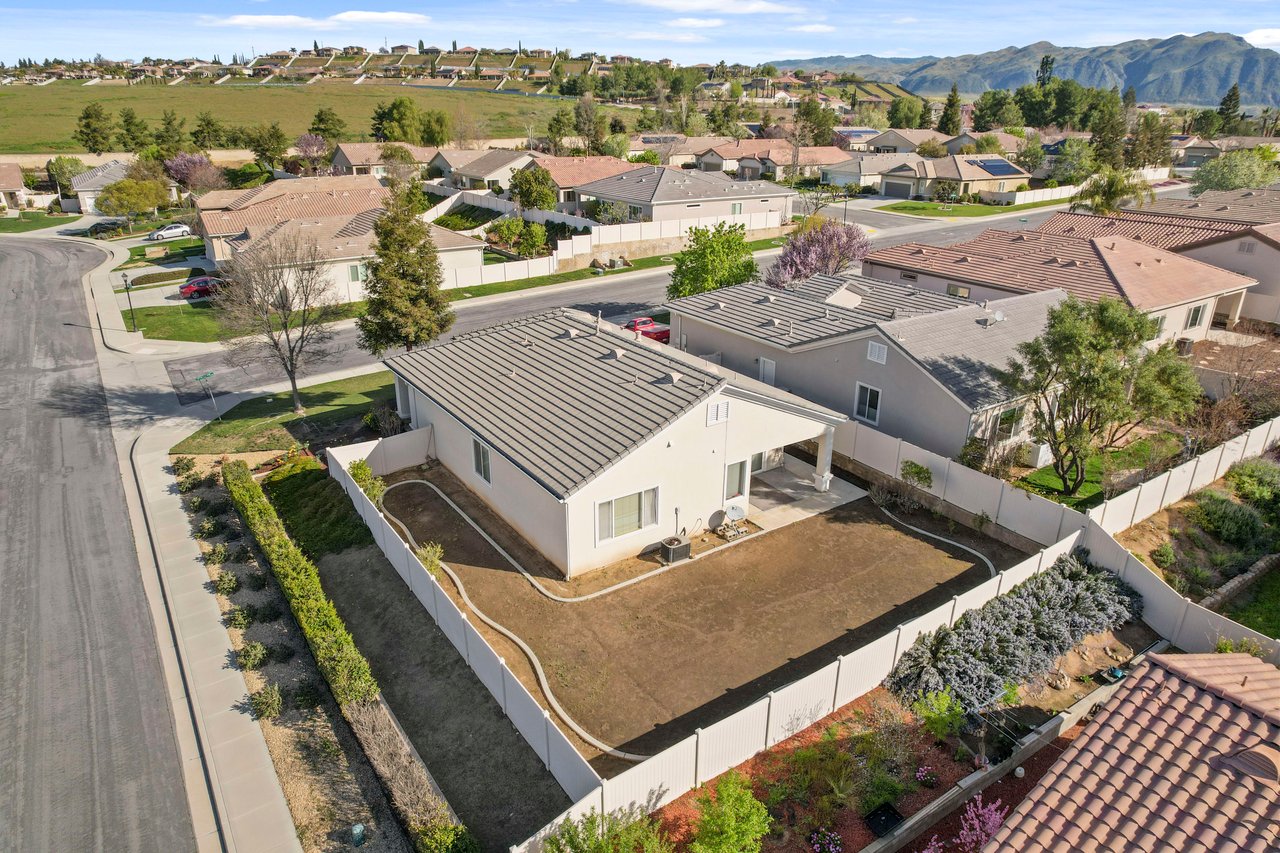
[[643, 666]]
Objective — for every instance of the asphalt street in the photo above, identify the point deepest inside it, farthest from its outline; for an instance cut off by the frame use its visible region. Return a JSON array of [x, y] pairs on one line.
[[611, 296], [89, 759]]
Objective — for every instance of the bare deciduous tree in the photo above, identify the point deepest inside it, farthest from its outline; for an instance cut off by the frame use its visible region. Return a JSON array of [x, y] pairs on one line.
[[274, 306]]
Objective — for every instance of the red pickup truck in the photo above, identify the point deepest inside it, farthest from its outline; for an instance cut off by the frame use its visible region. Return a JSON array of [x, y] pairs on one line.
[[647, 327]]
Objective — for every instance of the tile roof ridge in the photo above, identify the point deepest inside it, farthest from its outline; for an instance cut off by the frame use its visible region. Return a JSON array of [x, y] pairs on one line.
[[1170, 663]]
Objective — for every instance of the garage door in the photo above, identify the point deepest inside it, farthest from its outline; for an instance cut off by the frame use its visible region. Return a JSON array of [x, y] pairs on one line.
[[895, 189]]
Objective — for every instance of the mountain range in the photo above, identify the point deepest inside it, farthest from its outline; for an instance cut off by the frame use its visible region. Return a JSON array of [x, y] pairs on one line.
[[1194, 70]]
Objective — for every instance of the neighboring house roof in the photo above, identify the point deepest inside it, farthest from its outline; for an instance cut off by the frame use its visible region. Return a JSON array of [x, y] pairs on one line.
[[11, 177], [100, 176], [370, 153], [820, 310], [1184, 756], [571, 172], [1008, 142], [738, 148], [230, 212], [1164, 232], [913, 136], [660, 184], [1250, 206], [1240, 143], [963, 348], [456, 158], [1183, 141], [491, 162], [869, 163], [857, 134], [564, 397], [341, 237], [809, 155], [1144, 276], [961, 167]]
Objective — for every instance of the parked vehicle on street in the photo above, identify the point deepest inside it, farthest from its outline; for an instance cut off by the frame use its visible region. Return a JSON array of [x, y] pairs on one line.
[[105, 226], [199, 288], [647, 327], [169, 232]]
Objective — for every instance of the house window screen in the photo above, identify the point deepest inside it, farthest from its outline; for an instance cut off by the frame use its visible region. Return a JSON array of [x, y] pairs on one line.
[[480, 458], [627, 514]]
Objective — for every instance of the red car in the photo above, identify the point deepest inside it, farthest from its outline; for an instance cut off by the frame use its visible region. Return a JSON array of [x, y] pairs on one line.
[[647, 327], [199, 287]]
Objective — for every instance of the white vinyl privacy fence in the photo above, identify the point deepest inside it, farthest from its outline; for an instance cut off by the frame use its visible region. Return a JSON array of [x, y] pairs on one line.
[[578, 245], [535, 724], [714, 749]]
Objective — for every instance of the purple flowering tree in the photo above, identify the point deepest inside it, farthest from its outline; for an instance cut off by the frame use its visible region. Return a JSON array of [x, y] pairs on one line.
[[979, 824], [829, 247], [182, 166], [312, 150], [935, 845]]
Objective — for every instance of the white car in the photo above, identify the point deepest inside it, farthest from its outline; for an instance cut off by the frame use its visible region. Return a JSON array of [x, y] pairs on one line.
[[168, 232]]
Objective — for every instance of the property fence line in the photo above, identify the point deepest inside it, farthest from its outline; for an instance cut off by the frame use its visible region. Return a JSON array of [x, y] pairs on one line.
[[534, 723]]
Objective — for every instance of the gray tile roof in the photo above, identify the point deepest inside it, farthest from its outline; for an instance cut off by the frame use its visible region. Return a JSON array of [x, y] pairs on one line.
[[563, 401], [818, 311], [491, 161], [659, 184], [100, 176], [960, 348]]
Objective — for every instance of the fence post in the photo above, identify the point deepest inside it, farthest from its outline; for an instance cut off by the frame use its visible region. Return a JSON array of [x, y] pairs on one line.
[[435, 593], [946, 480], [546, 730], [952, 620], [897, 462], [897, 641], [466, 638], [768, 720], [1175, 638], [1000, 582], [1000, 502], [502, 662], [697, 754], [835, 691]]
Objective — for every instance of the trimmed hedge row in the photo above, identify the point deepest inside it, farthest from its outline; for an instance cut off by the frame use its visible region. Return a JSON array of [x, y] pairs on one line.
[[335, 651], [172, 275]]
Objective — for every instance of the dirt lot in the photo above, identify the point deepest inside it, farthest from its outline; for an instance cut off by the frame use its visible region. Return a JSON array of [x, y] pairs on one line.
[[644, 666]]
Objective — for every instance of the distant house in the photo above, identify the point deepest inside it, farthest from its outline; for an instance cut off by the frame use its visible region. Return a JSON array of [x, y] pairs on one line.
[[714, 88], [791, 162], [724, 157], [629, 441], [13, 192], [569, 173], [365, 158], [1183, 295], [1248, 206], [656, 193], [863, 169], [491, 170], [675, 149], [904, 141], [404, 49], [446, 160], [854, 138], [87, 186], [970, 173], [1184, 756], [1009, 144], [1197, 151]]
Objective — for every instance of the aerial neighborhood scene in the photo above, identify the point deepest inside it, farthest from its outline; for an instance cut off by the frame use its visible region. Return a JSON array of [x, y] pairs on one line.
[[653, 426]]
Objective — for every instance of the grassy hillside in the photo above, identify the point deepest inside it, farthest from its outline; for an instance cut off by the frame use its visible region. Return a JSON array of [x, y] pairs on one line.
[[43, 118]]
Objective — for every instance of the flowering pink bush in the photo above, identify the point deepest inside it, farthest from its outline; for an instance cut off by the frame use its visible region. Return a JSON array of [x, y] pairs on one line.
[[824, 840], [935, 845], [979, 824], [829, 248], [182, 166]]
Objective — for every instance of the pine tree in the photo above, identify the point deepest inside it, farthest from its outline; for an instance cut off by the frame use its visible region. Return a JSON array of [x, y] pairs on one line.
[[1130, 98], [95, 127], [949, 121], [1045, 74], [1108, 129], [1229, 109], [315, 46], [405, 306]]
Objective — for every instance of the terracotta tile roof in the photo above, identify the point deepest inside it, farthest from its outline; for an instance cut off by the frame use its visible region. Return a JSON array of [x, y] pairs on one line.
[[230, 212], [1250, 206], [10, 177], [1184, 757], [1026, 261], [1153, 229], [370, 153], [341, 237], [570, 172]]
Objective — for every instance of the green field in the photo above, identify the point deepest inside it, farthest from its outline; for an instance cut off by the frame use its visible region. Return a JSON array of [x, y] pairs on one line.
[[38, 119], [932, 208]]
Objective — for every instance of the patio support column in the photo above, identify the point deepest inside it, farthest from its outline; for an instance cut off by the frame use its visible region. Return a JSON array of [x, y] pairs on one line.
[[822, 464], [402, 398]]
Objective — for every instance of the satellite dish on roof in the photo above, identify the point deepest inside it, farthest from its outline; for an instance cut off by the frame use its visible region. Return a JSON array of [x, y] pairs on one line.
[[999, 316]]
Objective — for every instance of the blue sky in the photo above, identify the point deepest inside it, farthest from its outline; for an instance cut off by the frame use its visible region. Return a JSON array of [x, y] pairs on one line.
[[688, 31]]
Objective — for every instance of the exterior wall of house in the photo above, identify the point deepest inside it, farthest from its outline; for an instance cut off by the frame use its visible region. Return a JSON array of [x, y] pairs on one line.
[[502, 176], [935, 283], [686, 463], [1249, 256], [725, 207]]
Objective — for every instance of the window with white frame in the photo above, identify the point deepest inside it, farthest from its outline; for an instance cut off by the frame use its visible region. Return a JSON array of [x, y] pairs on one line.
[[480, 459], [717, 413], [735, 480], [358, 272], [868, 404], [908, 276], [1009, 423], [735, 208], [628, 514], [1194, 317], [958, 290], [1159, 327], [877, 352]]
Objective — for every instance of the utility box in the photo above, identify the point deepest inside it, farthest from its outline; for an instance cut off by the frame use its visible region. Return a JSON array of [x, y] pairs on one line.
[[676, 548]]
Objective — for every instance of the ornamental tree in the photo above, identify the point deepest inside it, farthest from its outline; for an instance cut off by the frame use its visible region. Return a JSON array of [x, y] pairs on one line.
[[182, 166], [1110, 189], [830, 249], [312, 150], [532, 188], [713, 258], [979, 824], [1235, 170], [130, 198], [734, 821]]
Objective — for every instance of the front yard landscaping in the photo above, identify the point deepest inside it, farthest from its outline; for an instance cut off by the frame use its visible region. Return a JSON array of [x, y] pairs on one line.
[[30, 220], [174, 251], [933, 208]]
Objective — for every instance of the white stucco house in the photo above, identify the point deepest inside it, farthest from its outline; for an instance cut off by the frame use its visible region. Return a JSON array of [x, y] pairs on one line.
[[87, 186], [595, 444], [13, 192]]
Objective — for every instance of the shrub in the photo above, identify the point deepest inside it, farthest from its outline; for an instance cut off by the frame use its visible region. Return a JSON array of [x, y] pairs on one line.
[[189, 482], [823, 840], [218, 507], [308, 695], [506, 232], [335, 651], [160, 277], [1014, 636], [195, 503], [430, 555], [1256, 481], [216, 555], [183, 465], [917, 475], [256, 581], [210, 527], [251, 656], [1246, 645], [733, 821], [609, 833], [940, 713], [444, 837], [226, 583], [979, 824], [373, 487], [1163, 555], [267, 703], [1228, 521], [879, 788], [238, 617], [1050, 184]]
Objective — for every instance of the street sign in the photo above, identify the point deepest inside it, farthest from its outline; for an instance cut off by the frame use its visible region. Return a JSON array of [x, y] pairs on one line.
[[203, 376]]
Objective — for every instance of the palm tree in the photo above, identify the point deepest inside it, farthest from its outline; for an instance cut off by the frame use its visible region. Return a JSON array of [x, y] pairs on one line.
[[1109, 190]]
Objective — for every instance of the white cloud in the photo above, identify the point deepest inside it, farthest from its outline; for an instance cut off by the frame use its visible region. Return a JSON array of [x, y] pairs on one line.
[[906, 20], [340, 21], [813, 28], [723, 7], [1269, 37], [697, 23], [682, 38]]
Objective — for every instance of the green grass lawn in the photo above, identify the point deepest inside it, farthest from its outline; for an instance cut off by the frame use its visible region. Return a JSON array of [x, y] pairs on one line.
[[263, 423], [175, 250], [39, 119], [32, 220], [1261, 611], [1134, 455], [195, 321], [931, 208], [315, 510]]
